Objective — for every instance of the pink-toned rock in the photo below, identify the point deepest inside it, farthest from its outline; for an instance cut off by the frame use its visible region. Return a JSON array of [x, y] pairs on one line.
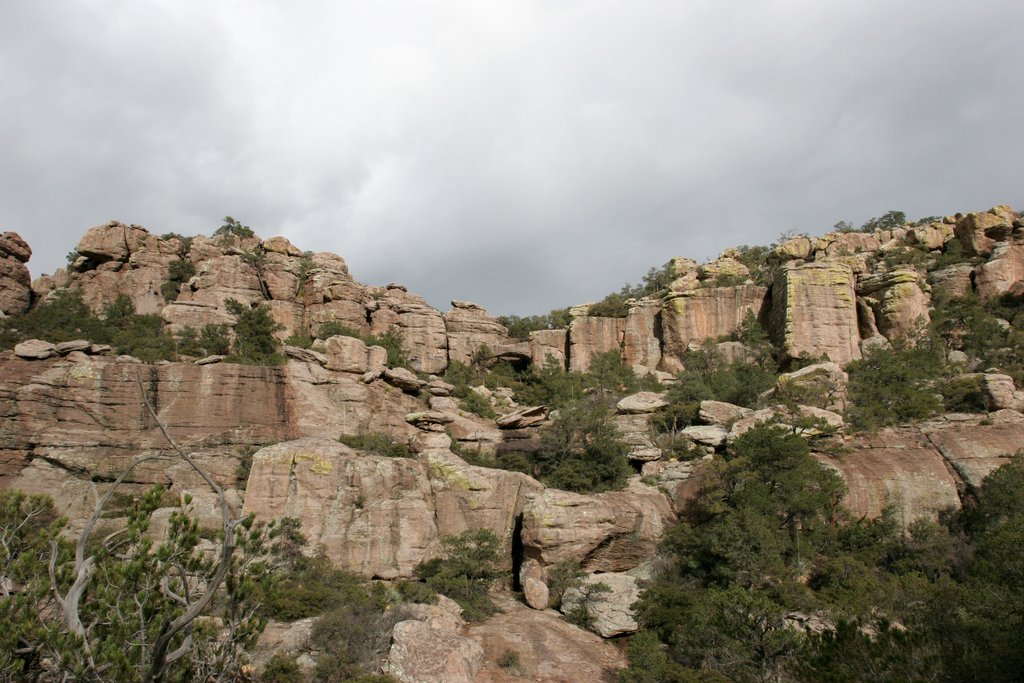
[[35, 349], [720, 413], [405, 380], [979, 232], [424, 338], [974, 449], [547, 649], [641, 345], [954, 281], [11, 244], [15, 286], [642, 402], [1001, 271], [636, 432], [814, 312], [521, 418], [604, 532], [344, 499], [469, 329], [546, 344], [348, 354], [535, 589], [280, 245], [611, 611], [1002, 394], [590, 336], [823, 385], [897, 468], [105, 243], [931, 236], [705, 313], [423, 654]]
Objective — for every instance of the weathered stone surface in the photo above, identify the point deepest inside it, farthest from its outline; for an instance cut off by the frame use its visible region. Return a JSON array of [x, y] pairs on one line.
[[1001, 271], [469, 329], [823, 385], [429, 420], [15, 280], [344, 499], [705, 313], [725, 267], [347, 354], [897, 468], [814, 312], [305, 355], [798, 248], [280, 245], [105, 243], [535, 590], [900, 305], [974, 449], [785, 415], [437, 387], [605, 532], [35, 349], [423, 331], [421, 653], [641, 402], [612, 611], [635, 431], [708, 435], [11, 244], [403, 379], [547, 647], [546, 344], [64, 348], [955, 280], [681, 480], [721, 413], [1002, 394], [641, 343], [590, 336], [521, 418], [979, 232]]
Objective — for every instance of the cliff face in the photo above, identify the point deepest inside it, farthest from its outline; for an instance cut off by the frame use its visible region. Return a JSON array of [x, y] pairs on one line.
[[74, 415]]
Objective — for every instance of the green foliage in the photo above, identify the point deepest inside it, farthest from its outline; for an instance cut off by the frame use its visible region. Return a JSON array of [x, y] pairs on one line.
[[895, 385], [467, 571], [521, 327], [110, 637], [233, 228], [392, 340], [179, 271], [887, 221], [582, 613], [474, 403], [254, 335], [756, 259], [377, 443], [351, 637], [282, 669], [582, 451], [709, 377], [964, 395], [561, 577], [336, 328], [212, 339], [615, 305], [186, 242]]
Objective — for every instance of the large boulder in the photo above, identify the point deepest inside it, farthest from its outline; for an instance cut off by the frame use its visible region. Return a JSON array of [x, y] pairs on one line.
[[900, 305], [611, 610], [1004, 268], [421, 653], [814, 311], [605, 532], [15, 280], [979, 232], [424, 337], [641, 402]]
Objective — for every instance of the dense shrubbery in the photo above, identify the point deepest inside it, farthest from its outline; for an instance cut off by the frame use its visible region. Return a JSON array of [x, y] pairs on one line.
[[392, 340], [615, 305], [377, 443], [520, 327], [765, 538], [466, 572]]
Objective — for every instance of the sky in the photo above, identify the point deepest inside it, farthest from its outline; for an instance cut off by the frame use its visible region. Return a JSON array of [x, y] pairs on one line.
[[522, 154]]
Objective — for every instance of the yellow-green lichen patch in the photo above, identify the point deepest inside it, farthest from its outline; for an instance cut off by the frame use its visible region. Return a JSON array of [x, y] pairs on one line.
[[318, 463]]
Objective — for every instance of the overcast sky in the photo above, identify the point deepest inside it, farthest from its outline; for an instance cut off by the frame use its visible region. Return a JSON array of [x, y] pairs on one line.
[[523, 154]]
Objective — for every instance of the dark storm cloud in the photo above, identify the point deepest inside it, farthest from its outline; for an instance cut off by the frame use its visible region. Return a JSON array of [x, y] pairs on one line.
[[524, 155]]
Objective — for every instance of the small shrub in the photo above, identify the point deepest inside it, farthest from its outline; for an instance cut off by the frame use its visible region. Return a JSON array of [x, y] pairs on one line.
[[561, 577], [582, 614], [474, 403], [254, 335], [233, 228], [377, 443], [965, 395], [336, 328], [467, 571], [282, 669], [510, 662], [179, 271]]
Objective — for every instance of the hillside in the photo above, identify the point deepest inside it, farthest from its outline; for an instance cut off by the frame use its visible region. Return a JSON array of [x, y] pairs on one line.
[[868, 380]]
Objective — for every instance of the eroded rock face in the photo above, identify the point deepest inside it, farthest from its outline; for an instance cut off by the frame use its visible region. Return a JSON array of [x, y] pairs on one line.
[[424, 338], [641, 336], [15, 280], [590, 336], [612, 611], [705, 313], [1001, 271], [421, 653], [606, 532], [979, 232], [469, 329], [814, 311]]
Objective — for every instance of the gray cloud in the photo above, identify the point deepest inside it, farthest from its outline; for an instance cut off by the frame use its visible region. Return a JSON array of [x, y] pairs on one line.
[[523, 154]]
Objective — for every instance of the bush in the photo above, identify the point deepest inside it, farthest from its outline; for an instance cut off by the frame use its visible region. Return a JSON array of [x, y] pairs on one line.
[[466, 573], [582, 451], [179, 271], [282, 669], [233, 228], [894, 386], [254, 335], [478, 405], [377, 443]]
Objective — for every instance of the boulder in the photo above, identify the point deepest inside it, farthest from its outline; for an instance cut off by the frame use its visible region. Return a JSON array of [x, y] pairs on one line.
[[521, 418], [438, 387], [405, 380], [35, 349], [642, 402], [535, 589], [305, 355], [421, 653], [64, 348], [787, 416], [605, 532], [429, 420], [979, 232], [823, 385], [721, 413], [635, 431], [281, 246], [104, 243], [814, 312], [545, 344], [1004, 268], [1002, 394], [708, 435], [15, 286], [13, 246], [611, 611]]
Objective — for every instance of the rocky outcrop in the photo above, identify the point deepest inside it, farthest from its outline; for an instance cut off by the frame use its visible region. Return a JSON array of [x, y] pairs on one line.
[[548, 344], [979, 232], [1005, 267], [469, 330], [641, 338], [900, 305], [590, 336], [814, 311], [611, 609], [823, 385], [421, 653], [605, 532], [422, 328], [705, 313], [15, 280]]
